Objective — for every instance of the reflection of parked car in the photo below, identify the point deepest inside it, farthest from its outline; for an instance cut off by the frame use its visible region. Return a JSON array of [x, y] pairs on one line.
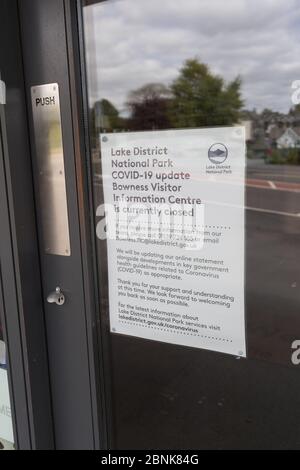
[[2, 353]]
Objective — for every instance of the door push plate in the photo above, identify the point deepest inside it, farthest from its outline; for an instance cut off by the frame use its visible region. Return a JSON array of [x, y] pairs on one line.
[[50, 178]]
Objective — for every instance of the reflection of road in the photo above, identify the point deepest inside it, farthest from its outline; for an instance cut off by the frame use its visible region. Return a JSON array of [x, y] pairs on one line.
[[282, 202], [273, 251], [285, 203], [274, 189], [272, 208], [285, 173]]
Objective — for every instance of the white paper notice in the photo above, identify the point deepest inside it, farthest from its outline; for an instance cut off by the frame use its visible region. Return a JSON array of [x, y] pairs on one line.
[[174, 205], [6, 428]]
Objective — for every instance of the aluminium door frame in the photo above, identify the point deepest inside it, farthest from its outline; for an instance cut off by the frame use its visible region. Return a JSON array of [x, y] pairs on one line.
[[101, 345], [70, 13], [98, 342], [21, 293], [21, 307], [98, 337]]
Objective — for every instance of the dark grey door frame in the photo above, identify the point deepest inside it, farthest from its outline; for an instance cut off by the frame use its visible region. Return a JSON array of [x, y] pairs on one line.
[[21, 307], [51, 50], [55, 356]]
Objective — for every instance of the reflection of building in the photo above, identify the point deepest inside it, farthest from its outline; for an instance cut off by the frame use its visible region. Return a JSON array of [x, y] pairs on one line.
[[101, 119], [289, 138], [270, 130], [248, 128]]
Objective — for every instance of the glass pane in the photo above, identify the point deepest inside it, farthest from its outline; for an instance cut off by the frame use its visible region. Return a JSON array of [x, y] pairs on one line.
[[208, 67]]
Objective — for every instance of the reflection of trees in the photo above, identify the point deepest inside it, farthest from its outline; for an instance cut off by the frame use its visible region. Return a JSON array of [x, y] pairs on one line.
[[196, 98], [203, 99], [150, 107], [106, 116]]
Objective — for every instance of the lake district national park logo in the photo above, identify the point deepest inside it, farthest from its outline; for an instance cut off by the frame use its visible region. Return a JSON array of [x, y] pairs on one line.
[[218, 153]]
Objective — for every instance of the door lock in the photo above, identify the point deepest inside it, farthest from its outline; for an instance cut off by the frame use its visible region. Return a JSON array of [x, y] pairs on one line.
[[56, 297]]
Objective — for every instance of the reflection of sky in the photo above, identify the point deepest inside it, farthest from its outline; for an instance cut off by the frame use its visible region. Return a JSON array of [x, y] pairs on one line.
[[134, 42]]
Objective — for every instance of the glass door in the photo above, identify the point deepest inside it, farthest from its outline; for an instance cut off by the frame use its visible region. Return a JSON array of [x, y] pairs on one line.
[[194, 114]]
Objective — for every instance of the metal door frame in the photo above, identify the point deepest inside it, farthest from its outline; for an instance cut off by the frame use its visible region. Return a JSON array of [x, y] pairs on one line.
[[35, 388], [21, 307]]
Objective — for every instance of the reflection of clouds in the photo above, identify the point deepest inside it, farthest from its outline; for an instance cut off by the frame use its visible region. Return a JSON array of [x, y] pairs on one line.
[[140, 41]]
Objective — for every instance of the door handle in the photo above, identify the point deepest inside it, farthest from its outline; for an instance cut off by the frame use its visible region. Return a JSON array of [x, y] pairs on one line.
[[56, 297]]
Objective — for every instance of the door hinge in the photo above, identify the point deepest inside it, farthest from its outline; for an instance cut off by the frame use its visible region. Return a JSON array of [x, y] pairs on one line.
[[2, 92]]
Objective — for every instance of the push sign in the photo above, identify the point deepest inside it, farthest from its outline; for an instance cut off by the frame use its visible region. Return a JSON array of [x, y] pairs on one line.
[[45, 101]]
